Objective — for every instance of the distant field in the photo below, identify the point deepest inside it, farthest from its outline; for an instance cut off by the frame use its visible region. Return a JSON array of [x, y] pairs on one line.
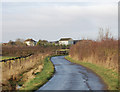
[[5, 57]]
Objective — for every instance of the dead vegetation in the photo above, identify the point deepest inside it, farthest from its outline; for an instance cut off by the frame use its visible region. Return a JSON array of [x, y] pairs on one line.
[[25, 68], [103, 52], [28, 67], [17, 51]]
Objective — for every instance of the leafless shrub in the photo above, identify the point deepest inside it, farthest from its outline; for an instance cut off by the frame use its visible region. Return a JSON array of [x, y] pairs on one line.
[[103, 52]]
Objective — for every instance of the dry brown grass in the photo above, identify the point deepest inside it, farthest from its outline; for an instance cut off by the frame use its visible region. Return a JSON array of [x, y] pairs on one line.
[[16, 68], [103, 52], [12, 69], [17, 51]]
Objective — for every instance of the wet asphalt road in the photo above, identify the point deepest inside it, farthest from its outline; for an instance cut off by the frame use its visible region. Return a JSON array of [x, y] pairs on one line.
[[70, 76]]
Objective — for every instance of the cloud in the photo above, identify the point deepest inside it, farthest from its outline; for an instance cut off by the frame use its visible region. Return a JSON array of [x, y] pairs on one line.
[[60, 0], [53, 21]]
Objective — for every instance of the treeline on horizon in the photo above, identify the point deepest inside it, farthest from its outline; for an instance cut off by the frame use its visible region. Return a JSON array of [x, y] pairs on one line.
[[103, 52], [19, 48], [21, 42]]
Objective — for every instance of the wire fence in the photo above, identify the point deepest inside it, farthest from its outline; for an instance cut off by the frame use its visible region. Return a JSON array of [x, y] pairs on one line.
[[15, 61], [12, 68]]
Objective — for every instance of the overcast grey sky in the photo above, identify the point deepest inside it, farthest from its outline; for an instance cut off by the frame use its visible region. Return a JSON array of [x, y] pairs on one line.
[[53, 20]]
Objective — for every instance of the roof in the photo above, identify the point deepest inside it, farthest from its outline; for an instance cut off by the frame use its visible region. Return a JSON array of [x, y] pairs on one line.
[[30, 40], [65, 39]]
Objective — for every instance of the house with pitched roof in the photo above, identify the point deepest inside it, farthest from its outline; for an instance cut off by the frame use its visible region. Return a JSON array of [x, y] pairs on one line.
[[66, 41], [30, 42]]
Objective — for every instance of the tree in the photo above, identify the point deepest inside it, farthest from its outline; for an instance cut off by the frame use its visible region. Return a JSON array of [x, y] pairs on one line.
[[11, 43], [104, 36], [42, 42], [101, 34], [19, 42]]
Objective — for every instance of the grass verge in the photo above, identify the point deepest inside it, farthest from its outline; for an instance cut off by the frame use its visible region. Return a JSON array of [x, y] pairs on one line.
[[41, 78], [109, 76]]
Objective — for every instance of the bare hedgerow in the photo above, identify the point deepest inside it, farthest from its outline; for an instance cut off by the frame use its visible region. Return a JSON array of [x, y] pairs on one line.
[[103, 51]]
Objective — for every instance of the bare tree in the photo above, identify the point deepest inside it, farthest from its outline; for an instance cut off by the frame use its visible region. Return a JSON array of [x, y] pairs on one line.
[[101, 34], [104, 35]]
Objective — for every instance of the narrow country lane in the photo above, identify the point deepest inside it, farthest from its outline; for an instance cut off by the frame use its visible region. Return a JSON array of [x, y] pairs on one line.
[[70, 76]]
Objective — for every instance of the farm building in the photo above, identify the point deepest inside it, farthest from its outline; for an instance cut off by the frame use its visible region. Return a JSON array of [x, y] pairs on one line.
[[30, 42], [66, 41]]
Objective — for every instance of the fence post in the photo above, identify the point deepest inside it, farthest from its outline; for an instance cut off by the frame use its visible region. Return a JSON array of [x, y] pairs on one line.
[[9, 64], [16, 61], [25, 58], [32, 58], [20, 61]]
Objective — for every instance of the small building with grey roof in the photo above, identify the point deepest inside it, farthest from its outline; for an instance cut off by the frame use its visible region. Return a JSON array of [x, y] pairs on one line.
[[66, 41]]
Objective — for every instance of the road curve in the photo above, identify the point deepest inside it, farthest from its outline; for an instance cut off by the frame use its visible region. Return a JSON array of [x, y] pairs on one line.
[[70, 76]]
